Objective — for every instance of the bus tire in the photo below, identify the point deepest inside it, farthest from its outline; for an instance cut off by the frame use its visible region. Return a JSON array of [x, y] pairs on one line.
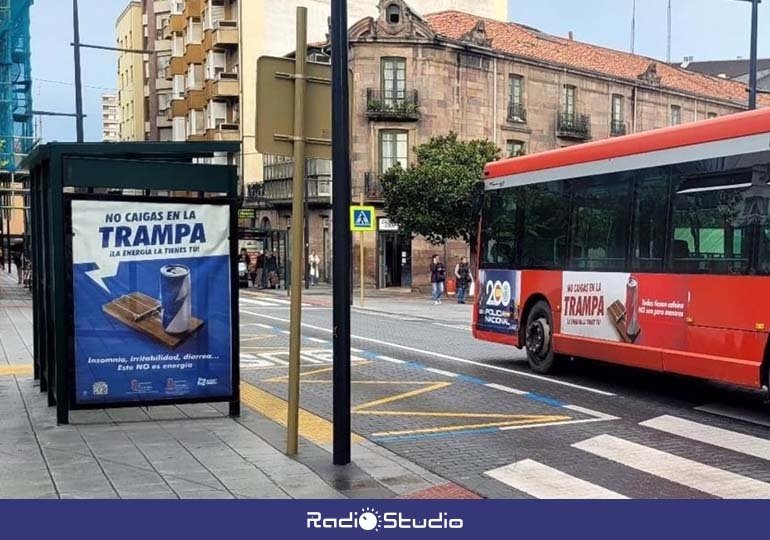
[[538, 339]]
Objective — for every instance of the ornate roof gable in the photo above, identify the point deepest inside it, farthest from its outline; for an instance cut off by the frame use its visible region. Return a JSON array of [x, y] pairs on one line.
[[396, 20]]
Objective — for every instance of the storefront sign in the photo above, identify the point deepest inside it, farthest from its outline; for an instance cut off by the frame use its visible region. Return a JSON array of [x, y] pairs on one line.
[[152, 321], [387, 225]]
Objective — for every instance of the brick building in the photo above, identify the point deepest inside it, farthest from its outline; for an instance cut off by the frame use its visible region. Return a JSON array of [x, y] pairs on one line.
[[420, 76]]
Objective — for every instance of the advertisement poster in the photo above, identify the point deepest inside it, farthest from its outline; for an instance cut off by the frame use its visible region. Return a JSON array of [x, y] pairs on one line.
[[498, 303], [151, 294], [644, 309]]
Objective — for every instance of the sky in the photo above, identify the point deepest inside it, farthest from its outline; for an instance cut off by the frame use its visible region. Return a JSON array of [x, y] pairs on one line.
[[705, 29]]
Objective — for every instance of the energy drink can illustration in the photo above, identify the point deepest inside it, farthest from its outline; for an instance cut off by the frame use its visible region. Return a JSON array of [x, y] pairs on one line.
[[632, 306], [175, 298]]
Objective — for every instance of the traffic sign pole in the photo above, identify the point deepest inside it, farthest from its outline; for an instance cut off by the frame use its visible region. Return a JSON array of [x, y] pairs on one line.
[[361, 242], [295, 324], [341, 233]]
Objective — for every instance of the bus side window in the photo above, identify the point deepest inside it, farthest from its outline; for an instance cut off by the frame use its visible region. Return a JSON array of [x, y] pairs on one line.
[[499, 233], [711, 233], [650, 211], [600, 236]]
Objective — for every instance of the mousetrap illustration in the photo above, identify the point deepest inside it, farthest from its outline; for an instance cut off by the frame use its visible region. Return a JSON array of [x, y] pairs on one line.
[[145, 314]]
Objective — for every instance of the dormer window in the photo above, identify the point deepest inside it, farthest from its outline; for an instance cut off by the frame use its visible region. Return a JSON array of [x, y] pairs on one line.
[[393, 14]]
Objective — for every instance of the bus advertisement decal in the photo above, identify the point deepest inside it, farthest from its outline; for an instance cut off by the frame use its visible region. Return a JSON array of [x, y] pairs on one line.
[[500, 302], [639, 309]]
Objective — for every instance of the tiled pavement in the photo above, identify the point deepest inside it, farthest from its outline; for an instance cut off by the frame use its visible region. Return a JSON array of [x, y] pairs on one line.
[[189, 451]]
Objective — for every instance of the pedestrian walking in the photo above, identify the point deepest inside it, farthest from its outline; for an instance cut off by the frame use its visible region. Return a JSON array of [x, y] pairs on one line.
[[437, 278], [315, 261], [259, 266], [16, 253], [464, 279], [271, 268]]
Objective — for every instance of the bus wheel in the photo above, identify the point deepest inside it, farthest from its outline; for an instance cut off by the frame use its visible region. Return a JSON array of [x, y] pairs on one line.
[[538, 339]]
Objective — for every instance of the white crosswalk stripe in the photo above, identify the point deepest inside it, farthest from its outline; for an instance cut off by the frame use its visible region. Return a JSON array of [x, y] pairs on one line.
[[268, 302], [544, 482], [724, 438], [683, 471]]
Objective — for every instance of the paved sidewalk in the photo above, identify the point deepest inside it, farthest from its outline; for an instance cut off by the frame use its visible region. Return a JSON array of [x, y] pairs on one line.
[[191, 451]]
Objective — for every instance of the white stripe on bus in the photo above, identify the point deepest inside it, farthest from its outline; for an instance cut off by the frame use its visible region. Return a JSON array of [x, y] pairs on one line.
[[683, 154]]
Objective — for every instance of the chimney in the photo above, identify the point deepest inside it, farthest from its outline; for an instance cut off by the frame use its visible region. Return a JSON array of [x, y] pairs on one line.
[[571, 38]]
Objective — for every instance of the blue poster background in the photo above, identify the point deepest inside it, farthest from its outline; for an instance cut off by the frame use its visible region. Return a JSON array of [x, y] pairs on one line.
[[100, 336], [498, 309]]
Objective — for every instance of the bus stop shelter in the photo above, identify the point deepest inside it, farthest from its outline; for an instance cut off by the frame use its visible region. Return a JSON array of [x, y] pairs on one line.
[[69, 181]]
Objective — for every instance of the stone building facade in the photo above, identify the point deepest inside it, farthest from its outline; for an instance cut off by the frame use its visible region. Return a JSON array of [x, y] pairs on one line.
[[416, 77]]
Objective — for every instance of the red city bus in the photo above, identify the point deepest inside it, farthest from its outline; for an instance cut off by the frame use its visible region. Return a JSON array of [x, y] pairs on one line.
[[650, 250]]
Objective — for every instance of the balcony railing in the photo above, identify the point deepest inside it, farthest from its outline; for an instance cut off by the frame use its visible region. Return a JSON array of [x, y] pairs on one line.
[[373, 186], [392, 105], [281, 190], [617, 129], [517, 113], [573, 126]]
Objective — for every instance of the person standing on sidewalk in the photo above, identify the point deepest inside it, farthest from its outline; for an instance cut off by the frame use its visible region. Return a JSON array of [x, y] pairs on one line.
[[437, 278], [271, 269], [16, 252], [464, 279], [259, 267], [315, 262]]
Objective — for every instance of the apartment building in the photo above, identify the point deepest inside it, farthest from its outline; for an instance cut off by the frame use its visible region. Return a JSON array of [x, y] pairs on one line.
[[130, 35], [527, 91], [110, 118]]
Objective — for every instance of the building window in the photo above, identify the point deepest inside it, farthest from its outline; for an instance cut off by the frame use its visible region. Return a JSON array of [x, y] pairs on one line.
[[393, 149], [618, 126], [393, 79], [712, 115], [515, 148], [676, 115], [393, 14], [516, 111], [568, 100]]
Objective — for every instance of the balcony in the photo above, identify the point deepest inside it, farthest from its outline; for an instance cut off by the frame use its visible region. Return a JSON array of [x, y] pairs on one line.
[[618, 129], [177, 66], [178, 107], [226, 85], [373, 186], [194, 53], [193, 8], [517, 113], [392, 105], [280, 191], [176, 24], [225, 132], [223, 35], [573, 126], [196, 99]]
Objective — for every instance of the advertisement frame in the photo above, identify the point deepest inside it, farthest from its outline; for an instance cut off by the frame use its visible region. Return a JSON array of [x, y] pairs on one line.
[[234, 396]]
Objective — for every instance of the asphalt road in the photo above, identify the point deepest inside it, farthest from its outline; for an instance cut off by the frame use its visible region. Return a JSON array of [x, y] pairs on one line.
[[473, 413]]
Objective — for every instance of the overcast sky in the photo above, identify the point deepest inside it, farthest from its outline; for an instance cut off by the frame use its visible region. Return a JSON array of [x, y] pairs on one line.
[[705, 29]]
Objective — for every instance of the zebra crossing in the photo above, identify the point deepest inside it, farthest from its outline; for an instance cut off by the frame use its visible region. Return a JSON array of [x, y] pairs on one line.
[[267, 301], [547, 481]]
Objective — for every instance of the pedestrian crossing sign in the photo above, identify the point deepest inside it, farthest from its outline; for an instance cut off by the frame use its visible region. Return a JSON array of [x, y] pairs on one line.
[[362, 218]]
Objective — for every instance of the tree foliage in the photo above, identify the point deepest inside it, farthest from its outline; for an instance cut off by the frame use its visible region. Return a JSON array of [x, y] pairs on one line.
[[434, 196]]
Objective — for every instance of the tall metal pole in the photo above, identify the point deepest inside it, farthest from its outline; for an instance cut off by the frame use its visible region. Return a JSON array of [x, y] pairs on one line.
[[753, 60], [633, 27], [78, 81], [668, 43], [307, 233], [341, 234], [295, 325]]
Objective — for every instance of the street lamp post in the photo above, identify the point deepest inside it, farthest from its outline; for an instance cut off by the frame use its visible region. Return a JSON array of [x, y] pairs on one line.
[[753, 57]]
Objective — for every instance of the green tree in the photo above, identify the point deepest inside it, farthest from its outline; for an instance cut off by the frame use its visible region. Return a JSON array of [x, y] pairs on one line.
[[434, 197]]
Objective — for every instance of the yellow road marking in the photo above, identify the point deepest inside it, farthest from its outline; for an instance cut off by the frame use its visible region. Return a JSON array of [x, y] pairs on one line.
[[511, 417], [430, 388], [448, 429], [15, 370], [311, 427], [285, 378]]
